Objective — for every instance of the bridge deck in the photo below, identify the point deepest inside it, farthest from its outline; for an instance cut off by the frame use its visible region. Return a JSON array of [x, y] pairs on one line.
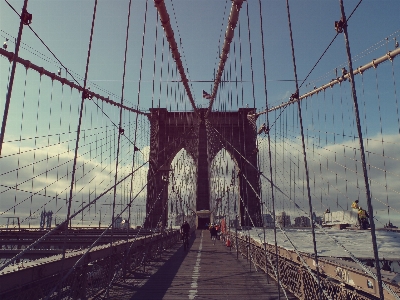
[[206, 271]]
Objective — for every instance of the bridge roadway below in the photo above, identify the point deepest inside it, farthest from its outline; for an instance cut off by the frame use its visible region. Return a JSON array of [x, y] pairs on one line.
[[205, 271]]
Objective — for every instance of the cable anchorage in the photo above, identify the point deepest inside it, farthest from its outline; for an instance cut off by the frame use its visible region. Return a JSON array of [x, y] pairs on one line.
[[87, 94], [360, 70], [26, 17], [339, 25], [294, 96]]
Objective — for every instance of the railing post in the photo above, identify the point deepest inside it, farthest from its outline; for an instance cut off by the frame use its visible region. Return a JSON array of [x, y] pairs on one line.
[[302, 285], [247, 249], [83, 283], [236, 238], [126, 264], [266, 258]]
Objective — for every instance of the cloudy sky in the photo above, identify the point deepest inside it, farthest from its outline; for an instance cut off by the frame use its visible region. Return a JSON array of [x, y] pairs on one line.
[[40, 137]]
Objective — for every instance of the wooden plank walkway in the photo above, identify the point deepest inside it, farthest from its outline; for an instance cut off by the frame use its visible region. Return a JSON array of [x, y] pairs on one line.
[[206, 271]]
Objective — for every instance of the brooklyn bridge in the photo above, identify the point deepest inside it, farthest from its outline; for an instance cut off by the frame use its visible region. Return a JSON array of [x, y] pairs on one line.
[[267, 119]]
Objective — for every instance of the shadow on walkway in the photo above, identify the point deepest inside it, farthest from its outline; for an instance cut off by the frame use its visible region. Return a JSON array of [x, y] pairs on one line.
[[157, 285], [204, 272]]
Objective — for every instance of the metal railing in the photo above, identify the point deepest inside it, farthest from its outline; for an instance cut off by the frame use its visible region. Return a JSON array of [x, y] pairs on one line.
[[92, 277], [340, 279]]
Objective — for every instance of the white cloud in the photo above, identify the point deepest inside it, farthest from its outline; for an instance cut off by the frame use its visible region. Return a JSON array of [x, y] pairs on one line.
[[32, 178], [336, 174]]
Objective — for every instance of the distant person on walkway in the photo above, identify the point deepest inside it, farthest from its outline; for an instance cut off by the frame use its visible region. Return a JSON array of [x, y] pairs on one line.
[[213, 232], [209, 228], [218, 228], [362, 216], [356, 208], [354, 205], [185, 229]]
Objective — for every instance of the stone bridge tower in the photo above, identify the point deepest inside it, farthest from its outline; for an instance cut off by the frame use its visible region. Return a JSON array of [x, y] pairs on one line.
[[202, 138]]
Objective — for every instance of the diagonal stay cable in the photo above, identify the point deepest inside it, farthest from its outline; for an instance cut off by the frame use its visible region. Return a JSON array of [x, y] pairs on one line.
[[84, 89], [244, 158], [19, 255], [341, 245], [120, 131], [319, 59], [294, 247], [66, 221], [165, 20], [276, 223], [148, 214], [230, 30], [305, 160], [274, 268], [134, 239], [269, 144], [352, 256], [78, 131], [94, 243]]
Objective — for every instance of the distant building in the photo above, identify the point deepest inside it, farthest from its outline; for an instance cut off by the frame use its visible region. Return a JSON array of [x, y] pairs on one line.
[[45, 219], [268, 220], [283, 220], [302, 222]]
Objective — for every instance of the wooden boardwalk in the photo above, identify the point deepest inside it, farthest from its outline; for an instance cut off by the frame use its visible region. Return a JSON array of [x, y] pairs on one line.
[[206, 271]]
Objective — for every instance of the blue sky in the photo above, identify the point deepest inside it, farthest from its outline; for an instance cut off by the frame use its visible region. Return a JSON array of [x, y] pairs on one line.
[[65, 28], [200, 26]]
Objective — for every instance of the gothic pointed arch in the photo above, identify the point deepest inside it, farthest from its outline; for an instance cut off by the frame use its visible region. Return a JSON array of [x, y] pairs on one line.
[[202, 137]]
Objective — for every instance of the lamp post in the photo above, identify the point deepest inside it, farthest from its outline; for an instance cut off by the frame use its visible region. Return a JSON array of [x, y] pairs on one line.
[[81, 205], [100, 219]]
